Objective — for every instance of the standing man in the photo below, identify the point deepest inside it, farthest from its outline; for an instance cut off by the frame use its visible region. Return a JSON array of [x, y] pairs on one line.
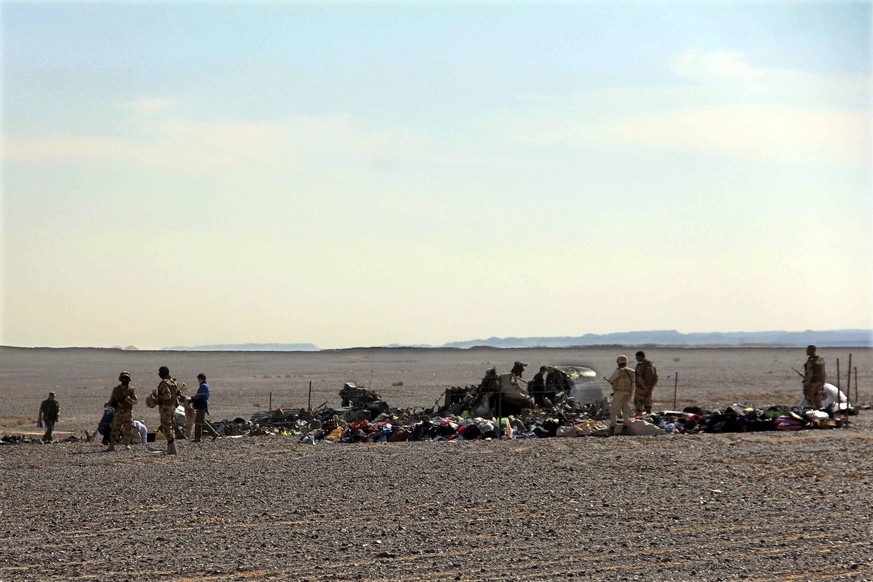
[[623, 381], [201, 407], [537, 386], [814, 378], [122, 400], [647, 379], [188, 404], [49, 412], [167, 394]]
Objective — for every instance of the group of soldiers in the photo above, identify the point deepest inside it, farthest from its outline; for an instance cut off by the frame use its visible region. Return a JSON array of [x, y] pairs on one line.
[[123, 398], [637, 384], [629, 385], [641, 381], [166, 397]]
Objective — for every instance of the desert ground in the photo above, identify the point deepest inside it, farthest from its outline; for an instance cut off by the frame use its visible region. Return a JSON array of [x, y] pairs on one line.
[[758, 506]]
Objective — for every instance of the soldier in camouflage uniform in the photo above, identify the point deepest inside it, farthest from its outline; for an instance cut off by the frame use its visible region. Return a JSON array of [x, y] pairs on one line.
[[623, 381], [167, 395], [647, 379], [122, 400], [814, 378], [49, 412]]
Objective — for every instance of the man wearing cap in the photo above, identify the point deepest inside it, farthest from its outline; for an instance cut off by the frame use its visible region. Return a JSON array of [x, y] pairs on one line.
[[122, 400], [49, 412], [201, 406], [623, 381], [814, 378], [518, 369], [647, 379], [167, 394]]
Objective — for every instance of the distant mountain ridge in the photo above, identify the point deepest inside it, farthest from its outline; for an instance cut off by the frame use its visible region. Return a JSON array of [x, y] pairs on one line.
[[656, 338], [673, 338]]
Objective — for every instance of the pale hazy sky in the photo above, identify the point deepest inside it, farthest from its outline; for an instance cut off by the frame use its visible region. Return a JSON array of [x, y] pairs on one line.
[[355, 173]]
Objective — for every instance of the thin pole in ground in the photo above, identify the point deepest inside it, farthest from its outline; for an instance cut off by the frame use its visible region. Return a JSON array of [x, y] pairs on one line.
[[675, 389], [499, 411], [856, 386], [849, 379], [848, 392], [848, 389], [309, 401]]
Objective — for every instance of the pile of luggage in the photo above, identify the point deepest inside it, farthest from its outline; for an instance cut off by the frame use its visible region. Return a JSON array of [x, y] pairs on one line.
[[738, 418]]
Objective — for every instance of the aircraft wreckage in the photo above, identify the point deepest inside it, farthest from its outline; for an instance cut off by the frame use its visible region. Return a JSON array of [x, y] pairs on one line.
[[571, 402]]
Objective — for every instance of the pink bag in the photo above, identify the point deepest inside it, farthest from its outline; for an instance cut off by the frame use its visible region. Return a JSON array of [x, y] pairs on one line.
[[788, 423]]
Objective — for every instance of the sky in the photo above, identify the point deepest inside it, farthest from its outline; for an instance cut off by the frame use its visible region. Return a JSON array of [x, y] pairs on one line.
[[372, 173]]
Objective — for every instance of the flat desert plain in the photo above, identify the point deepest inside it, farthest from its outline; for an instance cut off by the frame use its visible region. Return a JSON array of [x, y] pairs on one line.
[[759, 506]]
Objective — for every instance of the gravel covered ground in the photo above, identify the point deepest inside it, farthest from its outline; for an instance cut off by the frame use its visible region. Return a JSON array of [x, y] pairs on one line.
[[771, 506]]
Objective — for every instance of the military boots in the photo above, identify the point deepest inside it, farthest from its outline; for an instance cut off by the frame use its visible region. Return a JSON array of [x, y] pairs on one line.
[[171, 448]]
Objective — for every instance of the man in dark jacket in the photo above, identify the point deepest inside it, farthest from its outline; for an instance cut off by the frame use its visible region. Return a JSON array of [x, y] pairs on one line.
[[49, 412], [537, 386], [200, 402], [104, 427]]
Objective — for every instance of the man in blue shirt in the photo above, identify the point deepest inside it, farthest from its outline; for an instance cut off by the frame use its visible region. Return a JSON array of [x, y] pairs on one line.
[[200, 403]]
